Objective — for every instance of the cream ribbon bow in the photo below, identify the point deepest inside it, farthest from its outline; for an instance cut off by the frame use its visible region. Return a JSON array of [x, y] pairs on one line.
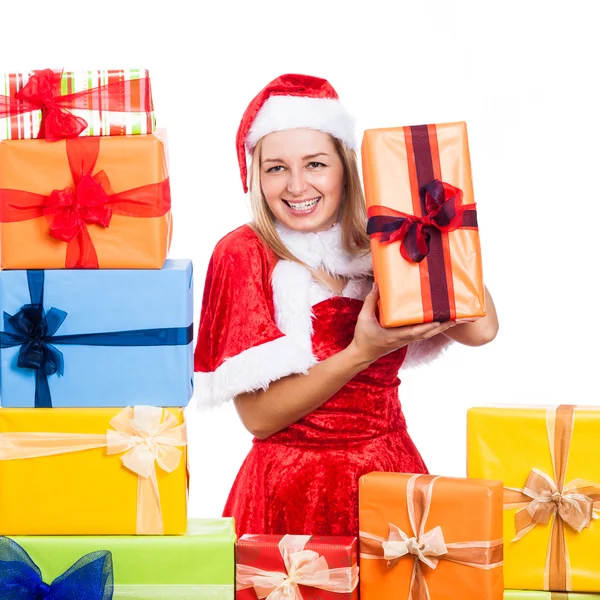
[[147, 440], [426, 548]]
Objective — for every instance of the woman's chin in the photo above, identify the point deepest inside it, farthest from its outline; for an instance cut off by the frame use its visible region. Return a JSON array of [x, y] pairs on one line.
[[309, 223]]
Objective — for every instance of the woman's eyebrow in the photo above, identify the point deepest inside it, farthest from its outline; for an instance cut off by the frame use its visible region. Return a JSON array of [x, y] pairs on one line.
[[303, 158]]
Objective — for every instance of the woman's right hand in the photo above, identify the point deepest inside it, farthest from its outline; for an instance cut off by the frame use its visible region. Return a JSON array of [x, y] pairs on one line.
[[372, 341]]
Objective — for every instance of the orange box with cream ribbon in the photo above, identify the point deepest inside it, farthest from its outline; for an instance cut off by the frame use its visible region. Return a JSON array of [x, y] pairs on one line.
[[93, 471], [423, 224], [430, 538], [87, 202], [549, 461]]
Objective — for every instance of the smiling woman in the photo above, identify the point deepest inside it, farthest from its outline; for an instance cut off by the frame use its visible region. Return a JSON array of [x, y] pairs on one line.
[[303, 186], [288, 329]]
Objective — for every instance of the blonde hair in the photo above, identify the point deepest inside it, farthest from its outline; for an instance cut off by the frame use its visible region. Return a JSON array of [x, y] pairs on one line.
[[352, 217]]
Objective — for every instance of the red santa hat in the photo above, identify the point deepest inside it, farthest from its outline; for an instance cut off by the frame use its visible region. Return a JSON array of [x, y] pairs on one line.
[[291, 102]]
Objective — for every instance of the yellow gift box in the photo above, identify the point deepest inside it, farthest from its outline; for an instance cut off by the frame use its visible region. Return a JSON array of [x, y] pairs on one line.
[[93, 471], [549, 461]]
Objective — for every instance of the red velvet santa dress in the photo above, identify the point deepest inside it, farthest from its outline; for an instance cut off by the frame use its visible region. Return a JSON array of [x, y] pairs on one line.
[[264, 319]]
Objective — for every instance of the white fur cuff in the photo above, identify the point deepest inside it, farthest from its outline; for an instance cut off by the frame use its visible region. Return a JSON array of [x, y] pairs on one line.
[[251, 370]]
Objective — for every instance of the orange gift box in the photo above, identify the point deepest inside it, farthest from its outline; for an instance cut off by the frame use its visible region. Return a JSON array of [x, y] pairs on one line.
[[424, 537], [423, 224], [93, 471], [84, 203]]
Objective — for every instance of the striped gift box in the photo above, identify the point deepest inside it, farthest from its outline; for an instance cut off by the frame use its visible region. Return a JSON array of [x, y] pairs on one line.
[[113, 114]]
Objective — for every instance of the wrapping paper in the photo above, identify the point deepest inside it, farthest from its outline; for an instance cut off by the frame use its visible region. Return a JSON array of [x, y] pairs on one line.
[[196, 566], [295, 567], [106, 114], [462, 513], [509, 443], [398, 164], [85, 492], [84, 203], [100, 302], [530, 595]]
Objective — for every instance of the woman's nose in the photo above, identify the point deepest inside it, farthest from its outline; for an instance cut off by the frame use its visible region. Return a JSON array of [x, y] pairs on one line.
[[297, 183]]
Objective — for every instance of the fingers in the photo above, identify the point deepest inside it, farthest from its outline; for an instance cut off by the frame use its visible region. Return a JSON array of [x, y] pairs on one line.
[[370, 303], [421, 331]]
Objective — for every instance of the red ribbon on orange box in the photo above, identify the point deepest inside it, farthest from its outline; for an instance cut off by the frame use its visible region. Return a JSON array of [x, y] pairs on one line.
[[42, 92], [90, 201]]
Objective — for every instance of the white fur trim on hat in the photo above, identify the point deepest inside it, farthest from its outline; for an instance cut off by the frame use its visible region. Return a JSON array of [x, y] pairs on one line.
[[279, 113]]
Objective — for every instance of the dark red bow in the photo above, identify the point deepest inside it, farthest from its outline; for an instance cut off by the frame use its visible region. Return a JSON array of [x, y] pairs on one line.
[[42, 92], [445, 212]]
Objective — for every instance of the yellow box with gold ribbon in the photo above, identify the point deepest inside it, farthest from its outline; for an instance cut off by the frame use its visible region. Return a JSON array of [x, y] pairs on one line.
[[549, 461], [93, 471]]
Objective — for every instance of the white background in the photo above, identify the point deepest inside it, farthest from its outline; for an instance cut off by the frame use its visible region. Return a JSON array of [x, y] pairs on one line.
[[523, 75]]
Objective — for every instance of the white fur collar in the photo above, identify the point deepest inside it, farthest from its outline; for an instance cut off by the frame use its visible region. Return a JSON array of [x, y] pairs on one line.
[[324, 249]]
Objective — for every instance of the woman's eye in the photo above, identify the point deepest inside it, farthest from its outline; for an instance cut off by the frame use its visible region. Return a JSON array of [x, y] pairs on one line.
[[275, 169], [315, 164]]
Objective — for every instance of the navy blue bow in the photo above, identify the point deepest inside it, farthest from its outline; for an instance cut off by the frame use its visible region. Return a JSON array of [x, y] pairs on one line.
[[90, 578], [34, 330]]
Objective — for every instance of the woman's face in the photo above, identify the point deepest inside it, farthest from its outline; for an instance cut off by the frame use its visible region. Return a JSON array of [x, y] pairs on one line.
[[302, 178]]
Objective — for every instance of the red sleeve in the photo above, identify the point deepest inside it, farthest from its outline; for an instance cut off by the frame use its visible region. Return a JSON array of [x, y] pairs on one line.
[[239, 347], [237, 305]]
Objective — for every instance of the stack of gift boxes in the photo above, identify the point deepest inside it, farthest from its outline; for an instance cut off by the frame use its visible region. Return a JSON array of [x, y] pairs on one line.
[[96, 359], [101, 345]]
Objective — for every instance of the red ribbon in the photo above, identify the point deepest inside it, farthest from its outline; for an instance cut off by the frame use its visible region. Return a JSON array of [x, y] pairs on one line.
[[42, 92], [90, 201]]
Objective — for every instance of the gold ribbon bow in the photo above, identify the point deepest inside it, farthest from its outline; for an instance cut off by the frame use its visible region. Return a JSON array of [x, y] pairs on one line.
[[544, 499], [148, 435], [303, 567], [426, 548]]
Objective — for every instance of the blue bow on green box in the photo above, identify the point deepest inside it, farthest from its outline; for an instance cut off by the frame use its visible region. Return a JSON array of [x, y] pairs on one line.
[[90, 578]]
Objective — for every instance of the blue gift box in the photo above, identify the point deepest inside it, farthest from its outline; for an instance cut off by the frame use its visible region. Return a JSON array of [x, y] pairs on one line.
[[106, 338]]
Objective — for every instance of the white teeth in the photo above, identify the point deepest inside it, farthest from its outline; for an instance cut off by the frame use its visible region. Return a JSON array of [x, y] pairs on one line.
[[303, 206]]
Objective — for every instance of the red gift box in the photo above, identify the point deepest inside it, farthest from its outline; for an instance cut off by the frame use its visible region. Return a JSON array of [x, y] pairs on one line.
[[295, 567]]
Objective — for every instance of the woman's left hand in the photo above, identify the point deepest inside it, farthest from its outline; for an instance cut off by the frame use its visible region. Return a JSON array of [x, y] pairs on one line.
[[479, 332]]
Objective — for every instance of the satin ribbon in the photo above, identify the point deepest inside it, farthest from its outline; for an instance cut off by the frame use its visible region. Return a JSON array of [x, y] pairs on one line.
[[444, 212], [302, 567], [91, 577], [426, 548], [174, 592], [147, 436], [90, 201], [34, 329], [43, 92], [544, 499]]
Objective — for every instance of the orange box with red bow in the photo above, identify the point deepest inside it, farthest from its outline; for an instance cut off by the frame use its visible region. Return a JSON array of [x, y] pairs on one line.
[[86, 202], [296, 567], [427, 538], [547, 458], [423, 224], [93, 471]]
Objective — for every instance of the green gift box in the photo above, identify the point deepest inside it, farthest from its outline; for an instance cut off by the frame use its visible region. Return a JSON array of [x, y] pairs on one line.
[[197, 566], [527, 595]]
